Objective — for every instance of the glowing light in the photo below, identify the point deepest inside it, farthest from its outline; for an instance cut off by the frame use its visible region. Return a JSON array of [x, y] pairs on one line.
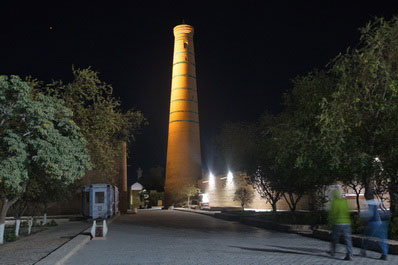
[[230, 180], [212, 180], [230, 176], [205, 198]]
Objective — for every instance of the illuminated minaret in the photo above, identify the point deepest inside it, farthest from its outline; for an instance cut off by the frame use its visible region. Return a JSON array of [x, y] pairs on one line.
[[183, 165]]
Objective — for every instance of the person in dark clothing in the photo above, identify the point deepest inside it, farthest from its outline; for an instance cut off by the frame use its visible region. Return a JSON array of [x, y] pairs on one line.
[[376, 227]]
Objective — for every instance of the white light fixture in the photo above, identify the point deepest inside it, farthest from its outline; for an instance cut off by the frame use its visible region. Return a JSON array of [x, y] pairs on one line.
[[205, 198], [230, 176], [212, 180], [230, 180]]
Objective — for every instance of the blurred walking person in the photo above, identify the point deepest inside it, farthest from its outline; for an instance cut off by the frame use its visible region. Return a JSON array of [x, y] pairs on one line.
[[339, 218], [377, 226]]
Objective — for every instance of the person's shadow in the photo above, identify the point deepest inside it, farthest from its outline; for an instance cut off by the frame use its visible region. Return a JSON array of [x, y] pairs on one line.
[[298, 251], [286, 250]]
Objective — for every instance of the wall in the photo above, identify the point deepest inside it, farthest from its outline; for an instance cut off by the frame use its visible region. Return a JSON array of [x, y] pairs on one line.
[[221, 191]]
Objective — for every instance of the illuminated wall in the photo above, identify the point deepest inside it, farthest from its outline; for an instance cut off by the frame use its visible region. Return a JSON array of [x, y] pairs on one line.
[[220, 191], [183, 165]]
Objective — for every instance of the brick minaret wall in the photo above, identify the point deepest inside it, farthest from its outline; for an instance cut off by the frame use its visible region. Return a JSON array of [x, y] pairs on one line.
[[183, 165]]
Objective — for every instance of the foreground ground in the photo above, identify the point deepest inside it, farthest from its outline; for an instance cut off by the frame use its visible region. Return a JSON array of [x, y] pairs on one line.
[[31, 249], [173, 237]]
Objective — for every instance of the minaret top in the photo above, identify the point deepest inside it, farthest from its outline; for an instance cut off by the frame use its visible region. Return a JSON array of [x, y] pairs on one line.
[[183, 29]]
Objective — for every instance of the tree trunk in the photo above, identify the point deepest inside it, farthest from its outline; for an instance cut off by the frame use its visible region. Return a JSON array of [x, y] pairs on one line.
[[357, 200], [2, 228], [4, 209], [6, 205], [291, 201], [17, 226], [273, 204]]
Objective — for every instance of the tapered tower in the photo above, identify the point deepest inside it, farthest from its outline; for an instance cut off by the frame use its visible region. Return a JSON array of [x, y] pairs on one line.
[[183, 165]]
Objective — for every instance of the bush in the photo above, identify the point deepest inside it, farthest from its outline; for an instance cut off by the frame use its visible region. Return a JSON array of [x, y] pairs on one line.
[[11, 236], [297, 218], [23, 224], [357, 225], [52, 223]]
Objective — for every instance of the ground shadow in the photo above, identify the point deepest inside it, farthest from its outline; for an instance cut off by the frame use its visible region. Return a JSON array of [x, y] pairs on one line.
[[301, 249], [273, 250], [295, 250]]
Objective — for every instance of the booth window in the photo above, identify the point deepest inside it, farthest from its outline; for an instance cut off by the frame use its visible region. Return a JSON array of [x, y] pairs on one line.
[[99, 197]]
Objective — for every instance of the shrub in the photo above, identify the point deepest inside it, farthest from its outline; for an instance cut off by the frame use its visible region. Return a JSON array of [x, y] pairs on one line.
[[11, 236], [357, 225], [52, 223]]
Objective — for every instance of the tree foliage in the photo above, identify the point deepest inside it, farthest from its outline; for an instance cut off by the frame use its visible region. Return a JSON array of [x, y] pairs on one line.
[[360, 121], [339, 124], [38, 139], [244, 196], [97, 112]]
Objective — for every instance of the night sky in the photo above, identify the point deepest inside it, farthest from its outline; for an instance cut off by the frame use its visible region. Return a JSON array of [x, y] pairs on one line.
[[247, 52]]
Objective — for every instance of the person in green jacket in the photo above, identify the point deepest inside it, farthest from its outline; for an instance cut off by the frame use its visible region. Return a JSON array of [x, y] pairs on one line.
[[339, 218]]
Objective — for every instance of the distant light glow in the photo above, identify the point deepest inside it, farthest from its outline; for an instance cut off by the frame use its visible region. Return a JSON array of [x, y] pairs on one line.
[[230, 176], [212, 180], [230, 180], [205, 198]]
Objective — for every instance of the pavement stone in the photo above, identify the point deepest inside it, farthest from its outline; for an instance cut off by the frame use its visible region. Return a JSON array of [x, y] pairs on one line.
[[31, 249], [175, 237]]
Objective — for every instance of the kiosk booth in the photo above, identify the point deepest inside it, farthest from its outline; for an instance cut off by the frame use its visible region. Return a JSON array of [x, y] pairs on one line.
[[100, 201]]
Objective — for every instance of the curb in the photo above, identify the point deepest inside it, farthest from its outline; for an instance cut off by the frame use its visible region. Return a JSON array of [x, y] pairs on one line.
[[60, 255], [197, 212]]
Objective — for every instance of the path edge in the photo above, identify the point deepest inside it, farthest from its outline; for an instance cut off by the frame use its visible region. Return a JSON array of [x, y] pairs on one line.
[[60, 255]]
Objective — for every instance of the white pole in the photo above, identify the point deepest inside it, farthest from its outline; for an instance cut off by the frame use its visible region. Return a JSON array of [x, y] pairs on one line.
[[104, 228], [2, 227], [30, 223], [93, 228], [45, 219], [17, 226]]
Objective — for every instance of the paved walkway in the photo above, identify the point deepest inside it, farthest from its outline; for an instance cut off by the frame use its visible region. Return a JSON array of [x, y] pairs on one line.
[[30, 249], [175, 237]]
